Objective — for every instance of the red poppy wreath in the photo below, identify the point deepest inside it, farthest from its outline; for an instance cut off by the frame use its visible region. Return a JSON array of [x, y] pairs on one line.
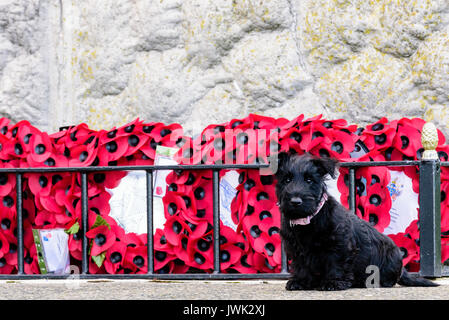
[[249, 239]]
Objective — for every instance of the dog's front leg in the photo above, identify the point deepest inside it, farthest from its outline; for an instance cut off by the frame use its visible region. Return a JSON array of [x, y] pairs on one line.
[[338, 275], [302, 278]]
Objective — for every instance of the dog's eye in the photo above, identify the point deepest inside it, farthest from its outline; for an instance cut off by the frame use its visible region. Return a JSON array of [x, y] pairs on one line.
[[288, 179], [308, 180]]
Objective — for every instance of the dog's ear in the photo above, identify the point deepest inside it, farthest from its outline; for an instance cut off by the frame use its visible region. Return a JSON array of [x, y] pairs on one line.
[[282, 160], [326, 165]]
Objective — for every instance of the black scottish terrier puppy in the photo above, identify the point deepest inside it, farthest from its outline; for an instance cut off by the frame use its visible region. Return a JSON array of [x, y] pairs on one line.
[[330, 247]]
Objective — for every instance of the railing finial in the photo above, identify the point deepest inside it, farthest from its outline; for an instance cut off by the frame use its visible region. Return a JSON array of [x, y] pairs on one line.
[[429, 140]]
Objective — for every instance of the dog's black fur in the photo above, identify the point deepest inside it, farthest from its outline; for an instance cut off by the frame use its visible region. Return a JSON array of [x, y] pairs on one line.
[[333, 251]]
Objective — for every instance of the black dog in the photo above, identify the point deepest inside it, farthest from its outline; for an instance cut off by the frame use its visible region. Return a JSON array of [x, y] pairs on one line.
[[330, 247]]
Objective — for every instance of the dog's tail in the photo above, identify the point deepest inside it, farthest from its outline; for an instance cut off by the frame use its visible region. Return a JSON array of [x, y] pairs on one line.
[[409, 280]]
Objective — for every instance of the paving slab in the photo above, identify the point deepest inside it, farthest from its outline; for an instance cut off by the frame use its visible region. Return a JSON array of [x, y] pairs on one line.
[[105, 289]]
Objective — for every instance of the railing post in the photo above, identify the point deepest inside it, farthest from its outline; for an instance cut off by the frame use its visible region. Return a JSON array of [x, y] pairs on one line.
[[352, 190], [84, 223], [216, 212], [150, 245], [19, 211], [429, 205]]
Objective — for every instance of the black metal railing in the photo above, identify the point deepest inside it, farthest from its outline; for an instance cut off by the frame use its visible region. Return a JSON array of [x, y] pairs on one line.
[[429, 202]]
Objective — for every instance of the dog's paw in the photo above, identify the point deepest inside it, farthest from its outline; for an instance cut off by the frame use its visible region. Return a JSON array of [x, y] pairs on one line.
[[335, 285], [294, 285]]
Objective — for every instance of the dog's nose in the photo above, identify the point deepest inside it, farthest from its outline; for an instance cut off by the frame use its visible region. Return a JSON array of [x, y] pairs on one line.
[[296, 201]]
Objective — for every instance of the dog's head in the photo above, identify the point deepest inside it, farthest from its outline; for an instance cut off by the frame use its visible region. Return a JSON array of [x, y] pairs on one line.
[[301, 183]]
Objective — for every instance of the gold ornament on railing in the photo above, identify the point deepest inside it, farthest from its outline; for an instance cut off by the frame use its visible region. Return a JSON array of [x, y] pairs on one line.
[[429, 140]]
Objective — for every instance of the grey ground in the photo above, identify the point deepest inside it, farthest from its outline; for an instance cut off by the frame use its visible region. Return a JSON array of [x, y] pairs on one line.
[[201, 290]]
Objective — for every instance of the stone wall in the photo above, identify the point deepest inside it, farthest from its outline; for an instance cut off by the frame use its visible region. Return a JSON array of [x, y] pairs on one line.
[[198, 62]]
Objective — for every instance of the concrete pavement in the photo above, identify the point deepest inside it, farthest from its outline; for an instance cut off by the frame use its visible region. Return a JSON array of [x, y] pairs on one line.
[[201, 290]]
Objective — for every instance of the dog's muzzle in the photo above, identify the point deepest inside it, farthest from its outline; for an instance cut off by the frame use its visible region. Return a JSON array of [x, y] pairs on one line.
[[306, 220]]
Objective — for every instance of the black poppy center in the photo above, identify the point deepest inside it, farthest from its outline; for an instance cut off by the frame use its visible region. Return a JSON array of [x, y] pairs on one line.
[[255, 231], [262, 196], [337, 146], [3, 179], [375, 200], [249, 184], [225, 256], [6, 224], [199, 258], [172, 208], [116, 257], [380, 139], [264, 214], [133, 140], [269, 248], [160, 255], [203, 245], [43, 181], [111, 146], [40, 148], [177, 227], [377, 127], [139, 261], [199, 193], [100, 239]]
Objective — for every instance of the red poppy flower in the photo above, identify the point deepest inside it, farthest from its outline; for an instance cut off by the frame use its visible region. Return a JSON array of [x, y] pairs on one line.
[[132, 240], [379, 135], [245, 263], [173, 228], [444, 249], [75, 245], [270, 246], [45, 220], [173, 203], [77, 135], [100, 203], [407, 139], [103, 238], [136, 259], [377, 205], [4, 127], [114, 149], [162, 258], [264, 122], [41, 147], [4, 245], [262, 264], [201, 252], [262, 199], [115, 257], [30, 262], [230, 254], [82, 155]]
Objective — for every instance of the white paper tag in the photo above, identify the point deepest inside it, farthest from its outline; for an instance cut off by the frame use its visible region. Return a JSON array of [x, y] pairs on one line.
[[228, 185], [404, 202], [55, 249], [163, 157]]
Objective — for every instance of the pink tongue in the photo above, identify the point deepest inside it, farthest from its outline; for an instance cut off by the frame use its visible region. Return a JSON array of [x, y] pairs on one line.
[[301, 221]]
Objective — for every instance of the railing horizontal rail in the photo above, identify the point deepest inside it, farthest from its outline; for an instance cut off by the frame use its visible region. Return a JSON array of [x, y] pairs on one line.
[[134, 168]]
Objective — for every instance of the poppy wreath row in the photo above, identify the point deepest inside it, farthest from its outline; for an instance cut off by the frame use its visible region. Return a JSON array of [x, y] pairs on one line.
[[185, 244]]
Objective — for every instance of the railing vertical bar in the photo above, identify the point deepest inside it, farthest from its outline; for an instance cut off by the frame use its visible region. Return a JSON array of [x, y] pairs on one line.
[[84, 222], [19, 209], [284, 261], [150, 244], [352, 190], [430, 218], [216, 218]]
